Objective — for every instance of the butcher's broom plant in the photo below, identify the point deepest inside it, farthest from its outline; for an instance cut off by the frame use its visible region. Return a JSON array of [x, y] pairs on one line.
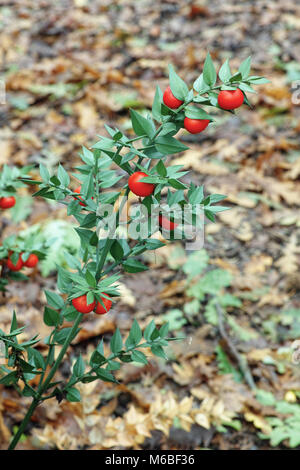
[[112, 239]]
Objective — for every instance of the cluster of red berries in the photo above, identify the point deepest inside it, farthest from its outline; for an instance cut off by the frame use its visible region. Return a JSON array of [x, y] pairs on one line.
[[31, 262], [227, 99], [7, 202], [81, 305]]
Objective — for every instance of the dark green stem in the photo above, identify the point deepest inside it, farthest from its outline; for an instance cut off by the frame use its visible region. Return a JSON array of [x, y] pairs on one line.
[[109, 240], [44, 386], [23, 425], [60, 357]]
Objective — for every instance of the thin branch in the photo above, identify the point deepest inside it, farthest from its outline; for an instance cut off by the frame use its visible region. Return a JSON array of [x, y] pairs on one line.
[[242, 363]]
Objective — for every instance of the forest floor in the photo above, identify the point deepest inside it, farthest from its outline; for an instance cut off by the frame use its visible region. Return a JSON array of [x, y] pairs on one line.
[[73, 66]]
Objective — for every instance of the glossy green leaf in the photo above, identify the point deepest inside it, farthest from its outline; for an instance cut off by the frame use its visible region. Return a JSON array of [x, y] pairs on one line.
[[167, 145], [178, 87], [245, 67], [209, 72], [132, 265], [139, 356], [73, 395], [79, 367], [141, 125], [54, 300], [193, 112], [225, 72], [116, 342], [51, 317]]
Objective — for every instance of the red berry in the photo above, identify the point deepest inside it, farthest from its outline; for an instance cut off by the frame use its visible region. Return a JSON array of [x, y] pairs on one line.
[[80, 303], [170, 100], [7, 202], [194, 126], [78, 191], [15, 267], [140, 188], [32, 261], [100, 309], [230, 99], [166, 223]]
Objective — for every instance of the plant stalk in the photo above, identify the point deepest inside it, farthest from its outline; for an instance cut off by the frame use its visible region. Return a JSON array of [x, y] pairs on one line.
[[43, 386], [23, 425], [60, 356]]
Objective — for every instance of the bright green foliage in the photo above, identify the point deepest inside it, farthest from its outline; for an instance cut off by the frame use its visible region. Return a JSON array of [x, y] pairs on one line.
[[11, 179], [285, 429], [207, 286], [225, 366]]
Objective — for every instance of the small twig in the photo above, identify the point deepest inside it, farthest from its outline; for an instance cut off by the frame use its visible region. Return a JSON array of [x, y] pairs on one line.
[[242, 363]]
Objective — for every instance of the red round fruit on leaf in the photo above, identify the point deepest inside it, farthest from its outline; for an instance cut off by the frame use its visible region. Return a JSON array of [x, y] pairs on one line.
[[7, 202], [14, 267], [80, 303], [102, 309], [194, 126], [170, 100], [31, 261], [78, 191], [166, 224], [140, 188], [230, 99]]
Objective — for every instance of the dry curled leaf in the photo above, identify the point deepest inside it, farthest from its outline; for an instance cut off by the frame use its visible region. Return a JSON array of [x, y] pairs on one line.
[[289, 262]]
